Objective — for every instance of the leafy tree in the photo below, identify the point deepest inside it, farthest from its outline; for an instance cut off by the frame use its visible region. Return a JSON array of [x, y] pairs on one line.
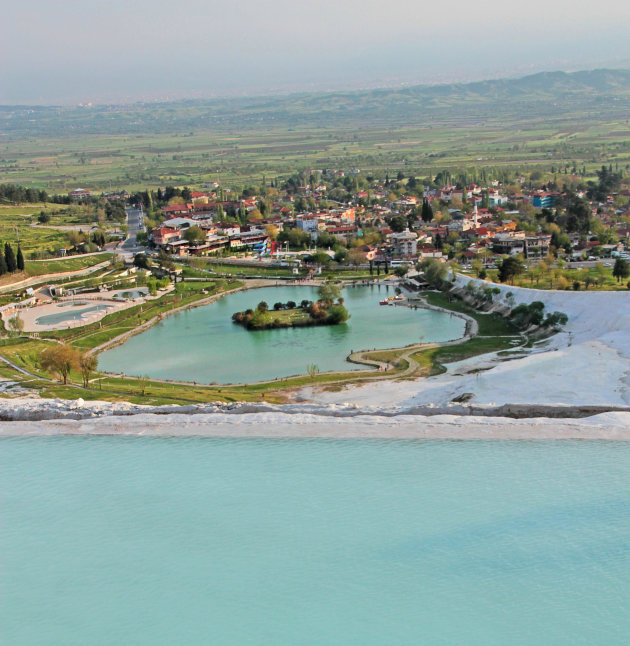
[[141, 261], [16, 325], [337, 314], [435, 271], [621, 269], [328, 292], [401, 271], [357, 257], [398, 223], [20, 259], [3, 264], [87, 364], [60, 359], [9, 257], [555, 320], [341, 255], [510, 268], [262, 306], [43, 217], [524, 316], [320, 258], [272, 231], [195, 235]]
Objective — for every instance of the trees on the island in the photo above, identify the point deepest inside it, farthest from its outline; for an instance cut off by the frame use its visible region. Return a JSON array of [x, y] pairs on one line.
[[328, 293], [621, 269], [60, 359]]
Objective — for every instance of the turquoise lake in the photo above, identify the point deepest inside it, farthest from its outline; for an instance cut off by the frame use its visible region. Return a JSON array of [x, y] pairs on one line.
[[368, 543], [204, 345]]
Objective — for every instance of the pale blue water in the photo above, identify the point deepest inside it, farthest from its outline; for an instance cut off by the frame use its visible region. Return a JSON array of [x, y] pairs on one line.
[[150, 541], [69, 315], [204, 345]]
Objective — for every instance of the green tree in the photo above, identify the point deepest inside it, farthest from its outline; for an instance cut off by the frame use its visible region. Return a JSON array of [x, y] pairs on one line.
[[3, 264], [87, 364], [9, 257], [195, 235], [20, 259], [328, 293], [621, 269], [60, 359], [398, 223], [427, 211], [15, 325], [510, 268]]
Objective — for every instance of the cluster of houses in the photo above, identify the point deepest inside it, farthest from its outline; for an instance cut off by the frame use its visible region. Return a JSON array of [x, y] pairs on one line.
[[487, 230]]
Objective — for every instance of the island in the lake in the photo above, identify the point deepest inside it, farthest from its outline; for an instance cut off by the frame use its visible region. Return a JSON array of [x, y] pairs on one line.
[[328, 309]]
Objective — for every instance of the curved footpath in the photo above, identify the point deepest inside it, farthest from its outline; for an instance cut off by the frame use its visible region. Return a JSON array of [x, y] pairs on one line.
[[48, 278]]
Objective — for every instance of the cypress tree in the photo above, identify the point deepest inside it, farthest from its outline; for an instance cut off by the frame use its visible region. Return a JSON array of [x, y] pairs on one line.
[[3, 264], [20, 259], [427, 212], [9, 257]]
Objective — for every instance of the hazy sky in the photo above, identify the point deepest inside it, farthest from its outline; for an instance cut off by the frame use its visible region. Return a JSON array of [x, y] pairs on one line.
[[72, 51]]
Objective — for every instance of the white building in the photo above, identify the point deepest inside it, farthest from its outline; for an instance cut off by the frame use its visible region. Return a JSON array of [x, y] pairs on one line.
[[404, 243]]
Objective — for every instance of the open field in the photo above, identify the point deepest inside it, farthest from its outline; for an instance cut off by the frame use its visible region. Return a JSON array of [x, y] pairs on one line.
[[59, 265], [534, 122], [598, 278], [237, 160]]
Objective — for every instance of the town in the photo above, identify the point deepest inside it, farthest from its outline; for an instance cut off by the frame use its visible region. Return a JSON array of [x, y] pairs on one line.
[[324, 217]]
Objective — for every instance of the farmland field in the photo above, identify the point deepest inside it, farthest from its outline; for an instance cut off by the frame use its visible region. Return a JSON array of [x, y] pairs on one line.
[[536, 122]]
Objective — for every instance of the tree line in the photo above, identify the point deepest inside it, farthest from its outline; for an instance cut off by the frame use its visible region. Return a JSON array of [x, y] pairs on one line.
[[11, 262]]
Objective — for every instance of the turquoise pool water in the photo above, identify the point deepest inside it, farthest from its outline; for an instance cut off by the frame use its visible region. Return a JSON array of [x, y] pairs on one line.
[[204, 345], [69, 314], [368, 543]]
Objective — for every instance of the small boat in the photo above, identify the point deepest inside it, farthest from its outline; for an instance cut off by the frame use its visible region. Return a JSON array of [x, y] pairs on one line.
[[384, 302]]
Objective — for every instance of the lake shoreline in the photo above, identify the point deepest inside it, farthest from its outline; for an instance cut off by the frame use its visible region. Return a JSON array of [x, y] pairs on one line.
[[293, 371]]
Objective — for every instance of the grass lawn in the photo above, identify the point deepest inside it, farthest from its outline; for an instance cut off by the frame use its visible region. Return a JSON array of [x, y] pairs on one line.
[[431, 360], [59, 265], [489, 324]]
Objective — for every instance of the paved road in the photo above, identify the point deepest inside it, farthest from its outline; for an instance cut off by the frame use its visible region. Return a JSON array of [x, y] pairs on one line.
[[135, 222]]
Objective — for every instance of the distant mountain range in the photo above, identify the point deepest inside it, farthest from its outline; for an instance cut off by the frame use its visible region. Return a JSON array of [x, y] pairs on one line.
[[603, 93]]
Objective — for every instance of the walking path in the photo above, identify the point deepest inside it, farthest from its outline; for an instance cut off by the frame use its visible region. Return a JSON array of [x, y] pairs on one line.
[[48, 278]]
